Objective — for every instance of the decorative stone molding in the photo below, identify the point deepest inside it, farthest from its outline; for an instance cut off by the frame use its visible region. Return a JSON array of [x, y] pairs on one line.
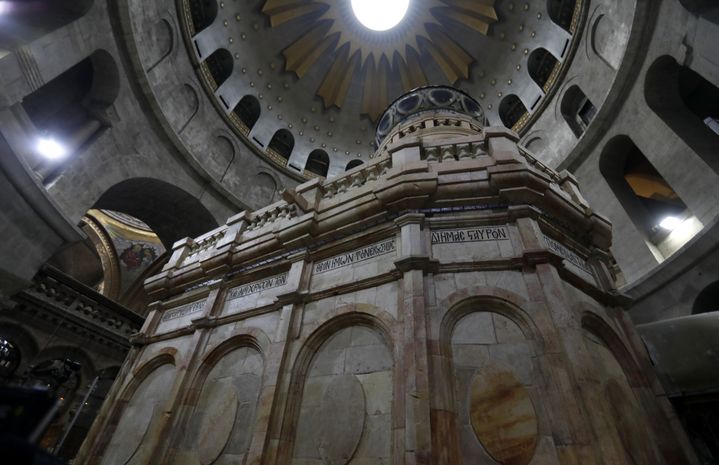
[[56, 298]]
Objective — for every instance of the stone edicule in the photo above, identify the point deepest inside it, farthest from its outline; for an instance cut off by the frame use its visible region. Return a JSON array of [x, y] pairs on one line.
[[450, 302]]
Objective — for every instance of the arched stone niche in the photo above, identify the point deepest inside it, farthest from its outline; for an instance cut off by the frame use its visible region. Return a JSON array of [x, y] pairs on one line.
[[187, 105], [265, 188], [608, 40], [496, 391], [161, 35], [143, 408], [222, 153], [221, 424], [345, 413]]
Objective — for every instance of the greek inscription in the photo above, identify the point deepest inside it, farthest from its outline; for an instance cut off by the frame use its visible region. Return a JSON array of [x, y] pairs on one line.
[[359, 255], [183, 310], [566, 254], [448, 236], [257, 286]]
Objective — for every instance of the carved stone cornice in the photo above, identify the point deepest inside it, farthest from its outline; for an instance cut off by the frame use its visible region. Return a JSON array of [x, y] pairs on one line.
[[56, 299]]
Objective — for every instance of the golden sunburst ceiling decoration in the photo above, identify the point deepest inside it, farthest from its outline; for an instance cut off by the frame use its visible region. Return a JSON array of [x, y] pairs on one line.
[[378, 57]]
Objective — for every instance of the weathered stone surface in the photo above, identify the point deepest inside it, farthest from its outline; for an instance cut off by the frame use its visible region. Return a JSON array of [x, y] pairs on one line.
[[503, 417], [142, 408], [220, 409], [130, 432], [341, 420]]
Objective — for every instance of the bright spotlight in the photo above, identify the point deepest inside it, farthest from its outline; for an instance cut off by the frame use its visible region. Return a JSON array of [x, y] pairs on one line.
[[50, 148], [380, 15], [5, 7], [670, 223]]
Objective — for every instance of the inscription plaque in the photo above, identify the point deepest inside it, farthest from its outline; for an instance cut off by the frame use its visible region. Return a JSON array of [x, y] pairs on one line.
[[489, 233], [183, 310], [257, 286], [356, 256], [561, 250]]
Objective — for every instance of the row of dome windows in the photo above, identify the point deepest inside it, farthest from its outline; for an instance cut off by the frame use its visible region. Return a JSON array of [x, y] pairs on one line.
[[248, 111], [72, 107], [541, 64], [220, 65]]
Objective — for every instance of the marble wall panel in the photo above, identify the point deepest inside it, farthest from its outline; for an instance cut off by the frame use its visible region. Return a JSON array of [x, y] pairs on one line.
[[448, 283], [220, 427], [496, 384], [346, 406], [383, 297], [267, 323], [129, 443], [615, 411]]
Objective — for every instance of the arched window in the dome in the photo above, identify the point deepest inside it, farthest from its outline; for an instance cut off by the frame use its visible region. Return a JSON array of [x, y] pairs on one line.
[[511, 110], [688, 104], [578, 111], [650, 202], [220, 65], [318, 163], [282, 143], [202, 13], [353, 164], [70, 110], [22, 21], [708, 9], [248, 111], [561, 12], [540, 65], [707, 300]]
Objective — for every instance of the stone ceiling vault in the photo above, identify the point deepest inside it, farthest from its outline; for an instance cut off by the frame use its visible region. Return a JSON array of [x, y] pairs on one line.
[[317, 72]]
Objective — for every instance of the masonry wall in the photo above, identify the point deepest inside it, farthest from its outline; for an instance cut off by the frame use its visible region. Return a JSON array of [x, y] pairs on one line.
[[349, 355]]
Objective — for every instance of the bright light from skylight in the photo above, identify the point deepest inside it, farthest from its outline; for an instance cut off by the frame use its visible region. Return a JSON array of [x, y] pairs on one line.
[[380, 15], [50, 148], [670, 223], [5, 7]]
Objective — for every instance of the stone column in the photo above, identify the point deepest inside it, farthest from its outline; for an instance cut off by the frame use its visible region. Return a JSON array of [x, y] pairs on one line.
[[184, 398], [413, 370]]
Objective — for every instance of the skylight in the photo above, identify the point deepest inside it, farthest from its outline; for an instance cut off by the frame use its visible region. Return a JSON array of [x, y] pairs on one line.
[[380, 15]]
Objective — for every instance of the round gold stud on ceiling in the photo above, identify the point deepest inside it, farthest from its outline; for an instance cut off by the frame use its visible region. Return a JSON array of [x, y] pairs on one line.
[[377, 56]]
